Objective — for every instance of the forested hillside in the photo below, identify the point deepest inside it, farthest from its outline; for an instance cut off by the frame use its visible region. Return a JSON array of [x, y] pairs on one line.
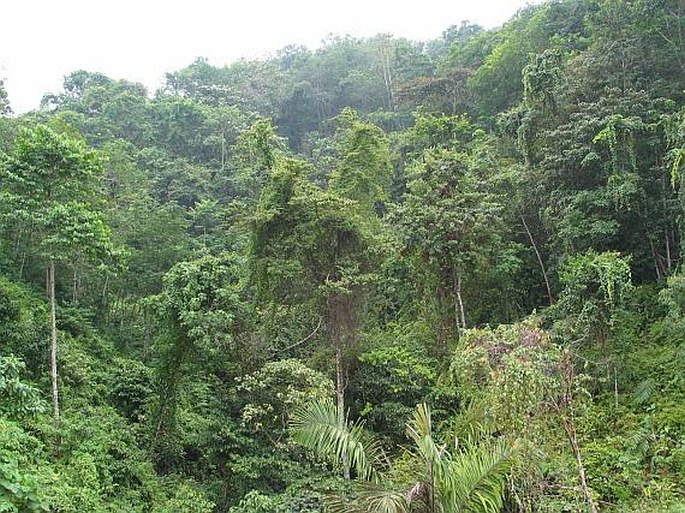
[[383, 276]]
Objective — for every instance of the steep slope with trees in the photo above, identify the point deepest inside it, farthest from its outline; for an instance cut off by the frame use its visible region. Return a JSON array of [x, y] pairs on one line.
[[381, 276]]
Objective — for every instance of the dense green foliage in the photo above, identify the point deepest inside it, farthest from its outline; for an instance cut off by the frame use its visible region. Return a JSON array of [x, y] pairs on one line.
[[382, 276]]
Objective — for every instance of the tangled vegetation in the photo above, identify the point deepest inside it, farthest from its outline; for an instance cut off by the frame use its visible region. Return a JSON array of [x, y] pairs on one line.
[[383, 276]]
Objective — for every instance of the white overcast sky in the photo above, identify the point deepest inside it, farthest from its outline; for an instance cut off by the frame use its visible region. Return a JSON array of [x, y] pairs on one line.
[[140, 40]]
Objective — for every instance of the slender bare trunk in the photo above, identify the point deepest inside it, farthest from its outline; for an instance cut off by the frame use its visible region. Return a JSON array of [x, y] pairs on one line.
[[457, 313], [460, 301], [569, 427], [104, 293], [445, 324], [339, 382], [388, 85], [566, 412], [74, 287], [387, 75], [615, 387], [53, 347], [539, 257], [669, 260], [336, 324], [22, 264], [340, 390], [657, 267], [223, 153]]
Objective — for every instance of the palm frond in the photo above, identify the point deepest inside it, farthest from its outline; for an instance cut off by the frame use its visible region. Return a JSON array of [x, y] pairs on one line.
[[370, 498], [471, 425], [470, 480], [317, 427], [421, 425], [473, 481], [420, 430]]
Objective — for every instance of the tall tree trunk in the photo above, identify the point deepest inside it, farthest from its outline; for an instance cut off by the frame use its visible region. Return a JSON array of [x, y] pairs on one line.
[[457, 313], [664, 193], [445, 321], [53, 346], [386, 71], [460, 301], [570, 428], [566, 412], [21, 266], [340, 394], [103, 300], [669, 260], [655, 256], [337, 339], [74, 287], [223, 153], [340, 381], [539, 257]]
